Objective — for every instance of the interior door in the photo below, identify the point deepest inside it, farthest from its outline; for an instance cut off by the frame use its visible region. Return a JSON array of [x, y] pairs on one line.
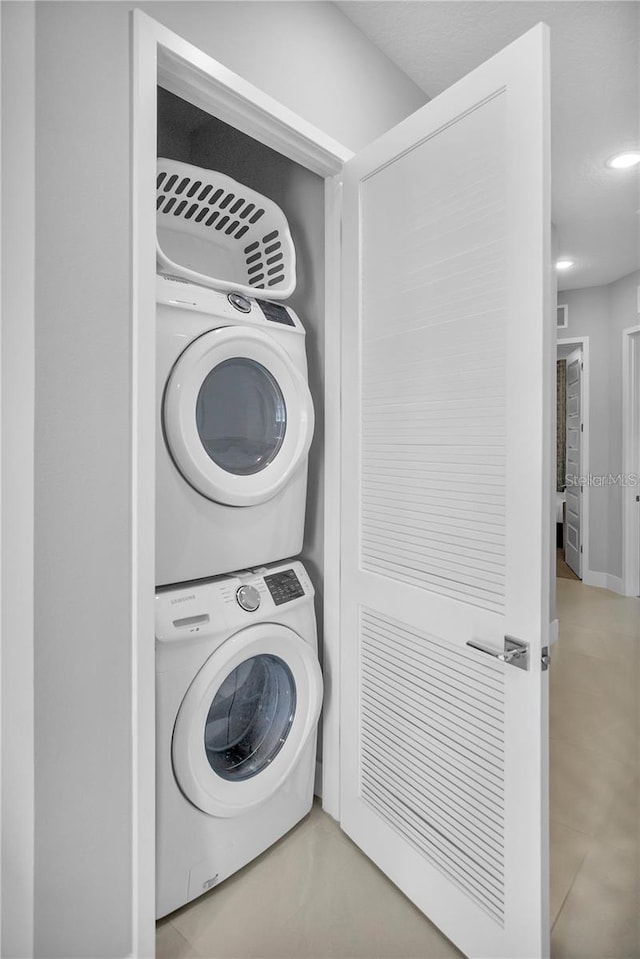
[[446, 513], [573, 540]]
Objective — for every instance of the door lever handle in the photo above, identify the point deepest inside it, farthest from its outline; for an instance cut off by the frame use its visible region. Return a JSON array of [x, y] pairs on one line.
[[515, 652]]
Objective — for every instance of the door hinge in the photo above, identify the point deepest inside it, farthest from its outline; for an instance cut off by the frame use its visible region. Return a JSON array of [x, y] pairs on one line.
[[581, 549], [545, 658], [582, 427], [581, 488], [582, 366]]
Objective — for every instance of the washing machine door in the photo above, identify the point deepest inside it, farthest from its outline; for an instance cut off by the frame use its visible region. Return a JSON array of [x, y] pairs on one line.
[[245, 719], [238, 416]]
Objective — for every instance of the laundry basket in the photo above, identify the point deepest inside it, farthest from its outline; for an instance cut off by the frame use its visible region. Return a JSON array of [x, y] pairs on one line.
[[217, 232]]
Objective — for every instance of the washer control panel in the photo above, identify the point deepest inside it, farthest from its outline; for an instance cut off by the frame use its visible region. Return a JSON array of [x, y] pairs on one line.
[[216, 607], [248, 598], [284, 586]]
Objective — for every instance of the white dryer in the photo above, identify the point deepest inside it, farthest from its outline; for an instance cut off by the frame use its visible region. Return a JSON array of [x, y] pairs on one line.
[[239, 691], [234, 425]]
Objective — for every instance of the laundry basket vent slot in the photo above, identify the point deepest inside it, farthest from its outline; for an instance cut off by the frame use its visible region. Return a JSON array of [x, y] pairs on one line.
[[210, 213]]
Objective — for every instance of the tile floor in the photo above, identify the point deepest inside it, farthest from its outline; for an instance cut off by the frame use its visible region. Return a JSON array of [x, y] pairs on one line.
[[316, 896], [595, 785]]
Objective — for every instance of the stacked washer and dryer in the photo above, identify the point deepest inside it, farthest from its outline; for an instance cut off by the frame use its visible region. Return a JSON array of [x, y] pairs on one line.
[[239, 687]]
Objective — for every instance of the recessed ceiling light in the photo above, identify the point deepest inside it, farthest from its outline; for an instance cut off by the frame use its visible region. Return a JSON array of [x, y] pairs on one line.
[[564, 264], [623, 161]]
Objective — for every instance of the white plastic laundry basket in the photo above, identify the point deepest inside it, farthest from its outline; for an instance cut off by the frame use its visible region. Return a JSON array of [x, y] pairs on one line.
[[214, 231]]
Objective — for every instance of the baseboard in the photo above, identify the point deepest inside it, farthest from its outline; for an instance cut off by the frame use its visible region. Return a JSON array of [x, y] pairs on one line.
[[317, 787], [616, 584], [604, 581], [593, 578]]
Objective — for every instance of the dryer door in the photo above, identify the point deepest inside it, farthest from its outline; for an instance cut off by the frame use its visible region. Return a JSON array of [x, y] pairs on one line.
[[238, 416], [246, 718]]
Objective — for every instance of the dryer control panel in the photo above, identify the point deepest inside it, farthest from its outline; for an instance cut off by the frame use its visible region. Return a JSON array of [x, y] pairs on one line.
[[233, 308]]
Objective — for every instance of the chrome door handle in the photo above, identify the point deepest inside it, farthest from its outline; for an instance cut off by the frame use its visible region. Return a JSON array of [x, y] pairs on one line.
[[515, 652]]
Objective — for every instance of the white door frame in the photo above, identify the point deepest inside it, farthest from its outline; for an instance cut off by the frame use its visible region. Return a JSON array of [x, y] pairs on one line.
[[630, 459], [588, 578], [159, 55]]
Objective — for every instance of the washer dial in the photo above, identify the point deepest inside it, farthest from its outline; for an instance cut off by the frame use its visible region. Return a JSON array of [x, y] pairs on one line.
[[248, 598]]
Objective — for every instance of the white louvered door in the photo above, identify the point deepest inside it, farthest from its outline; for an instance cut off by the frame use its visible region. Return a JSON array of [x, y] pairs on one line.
[[446, 504]]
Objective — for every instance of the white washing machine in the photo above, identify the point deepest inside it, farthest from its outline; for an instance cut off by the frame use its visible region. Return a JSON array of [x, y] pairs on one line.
[[239, 691], [234, 425]]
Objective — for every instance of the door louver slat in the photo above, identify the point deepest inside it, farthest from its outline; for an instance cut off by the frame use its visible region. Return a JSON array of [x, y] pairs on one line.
[[433, 390], [471, 805], [456, 697], [432, 752], [445, 819]]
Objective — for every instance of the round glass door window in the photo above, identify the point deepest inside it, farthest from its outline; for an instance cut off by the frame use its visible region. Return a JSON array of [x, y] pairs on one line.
[[250, 717], [241, 416]]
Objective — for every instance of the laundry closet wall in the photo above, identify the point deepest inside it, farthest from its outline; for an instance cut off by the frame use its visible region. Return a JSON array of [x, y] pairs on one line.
[[309, 56]]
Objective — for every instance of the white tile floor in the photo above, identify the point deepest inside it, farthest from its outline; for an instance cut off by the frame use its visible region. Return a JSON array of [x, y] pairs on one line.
[[316, 896]]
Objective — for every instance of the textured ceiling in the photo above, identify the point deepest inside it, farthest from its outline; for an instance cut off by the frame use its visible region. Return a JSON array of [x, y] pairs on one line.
[[594, 96]]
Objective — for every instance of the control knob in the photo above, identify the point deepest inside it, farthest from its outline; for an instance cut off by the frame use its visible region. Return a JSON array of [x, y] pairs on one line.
[[248, 598], [240, 302]]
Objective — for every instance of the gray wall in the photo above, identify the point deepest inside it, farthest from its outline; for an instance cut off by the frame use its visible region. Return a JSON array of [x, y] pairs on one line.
[[312, 58], [307, 55], [17, 405], [602, 313], [83, 475], [623, 312]]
